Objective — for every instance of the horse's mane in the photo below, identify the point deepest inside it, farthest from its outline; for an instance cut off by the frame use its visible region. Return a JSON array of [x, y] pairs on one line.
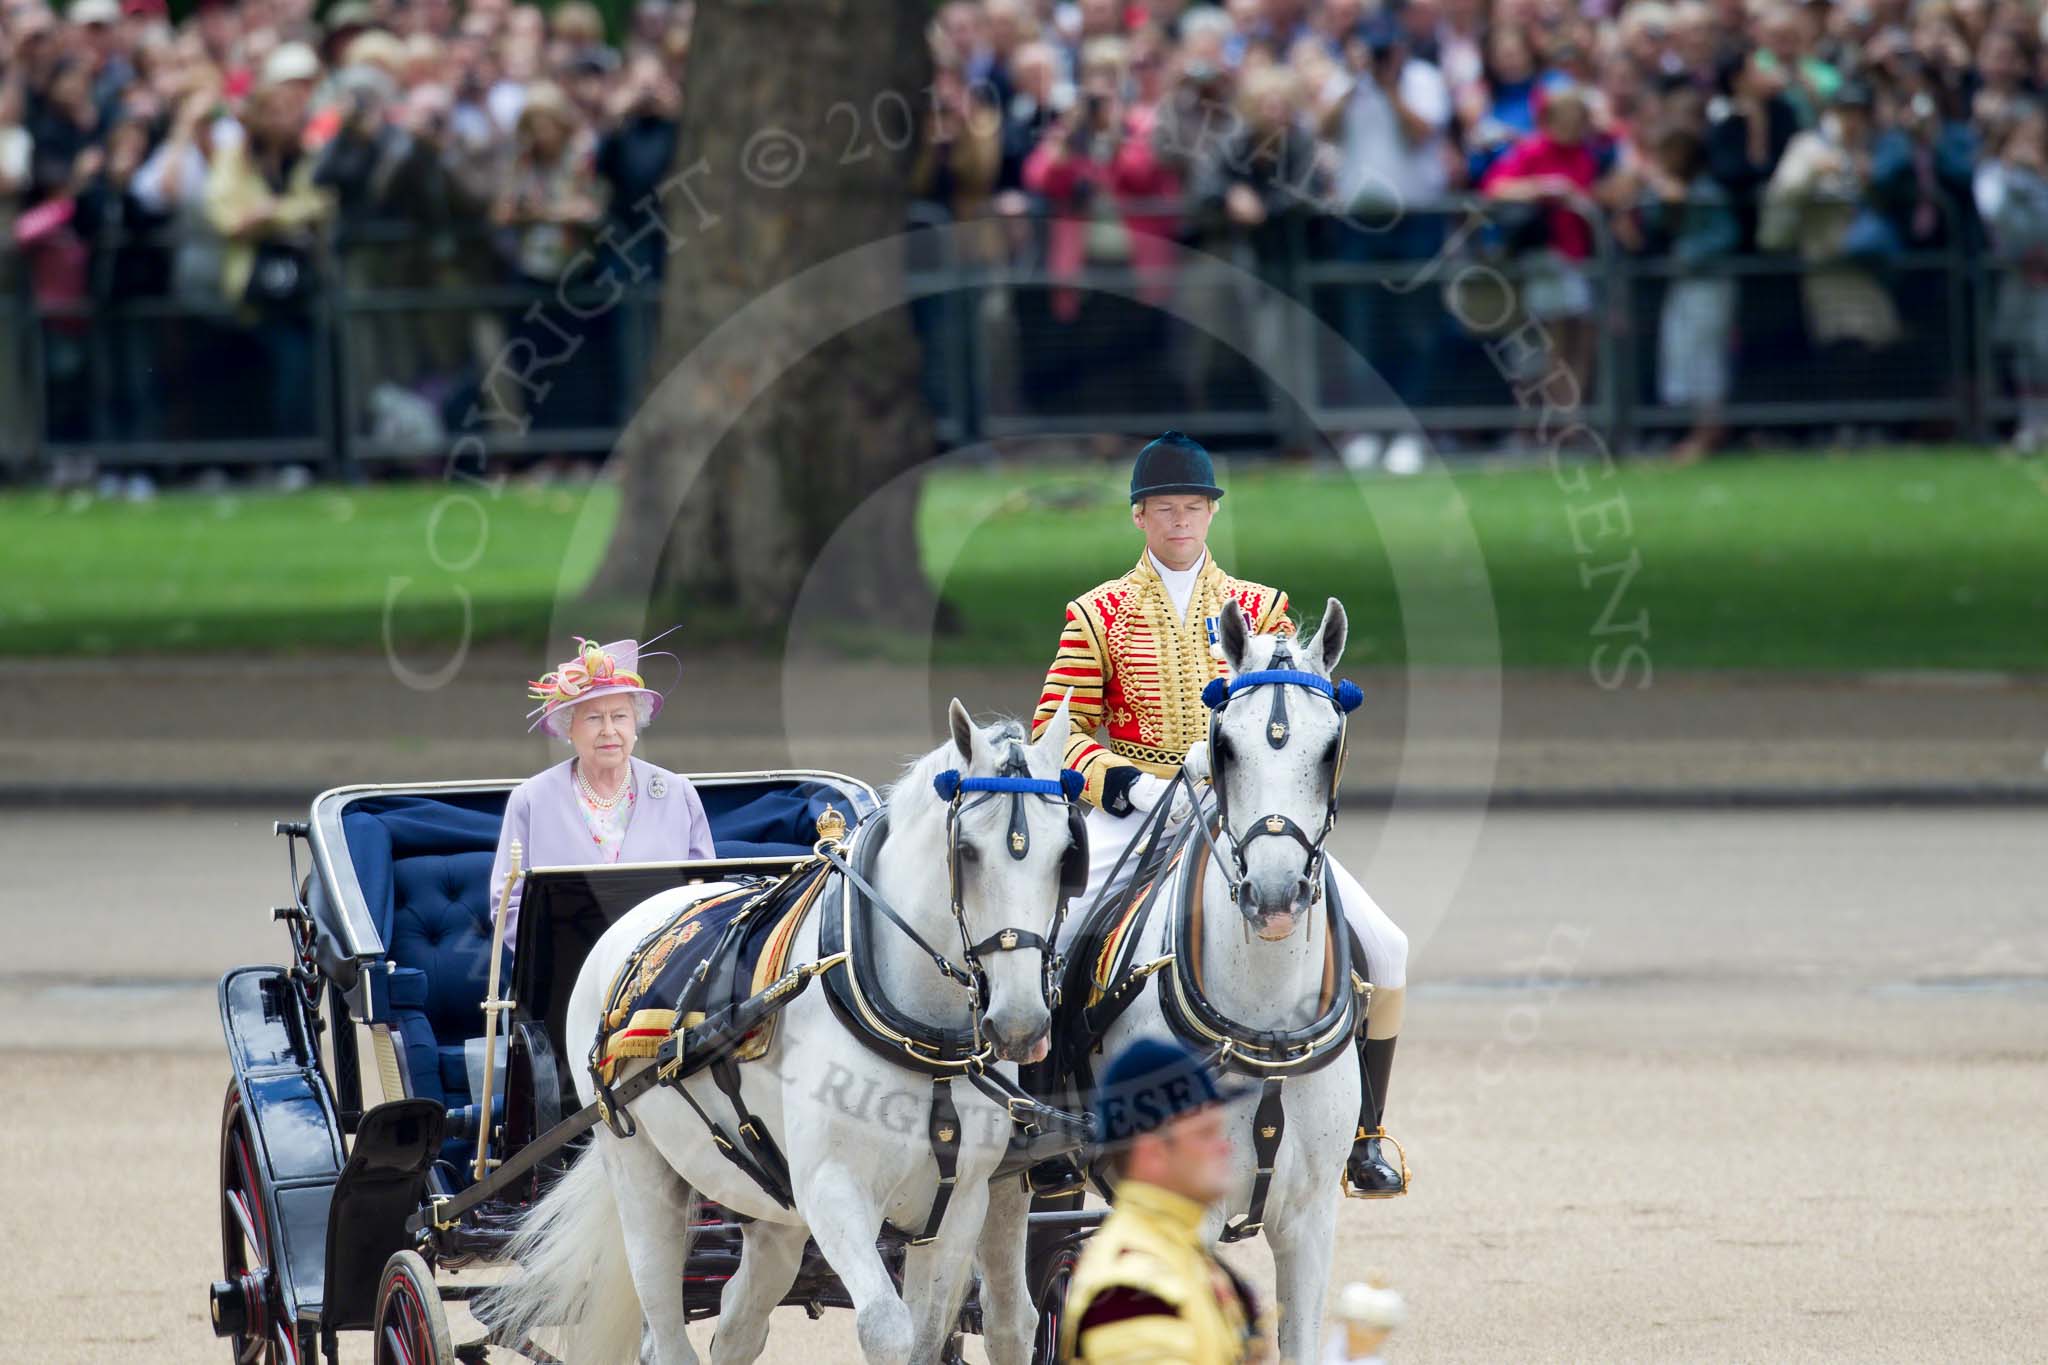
[[1296, 642], [915, 782]]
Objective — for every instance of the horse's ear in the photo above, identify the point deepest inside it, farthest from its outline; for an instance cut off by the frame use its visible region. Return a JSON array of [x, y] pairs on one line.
[[963, 730], [1230, 633], [1053, 740], [1331, 631]]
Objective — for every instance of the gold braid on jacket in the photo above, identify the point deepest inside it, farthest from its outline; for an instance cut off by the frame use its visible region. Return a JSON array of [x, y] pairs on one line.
[[1147, 1289], [1138, 671]]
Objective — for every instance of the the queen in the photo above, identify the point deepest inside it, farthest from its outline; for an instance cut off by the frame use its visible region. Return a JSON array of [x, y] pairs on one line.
[[602, 805]]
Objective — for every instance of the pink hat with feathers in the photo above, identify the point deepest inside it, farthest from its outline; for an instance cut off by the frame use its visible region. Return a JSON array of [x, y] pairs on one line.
[[596, 671]]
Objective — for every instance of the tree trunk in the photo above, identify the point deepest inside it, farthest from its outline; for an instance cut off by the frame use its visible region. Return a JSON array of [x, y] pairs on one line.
[[797, 134]]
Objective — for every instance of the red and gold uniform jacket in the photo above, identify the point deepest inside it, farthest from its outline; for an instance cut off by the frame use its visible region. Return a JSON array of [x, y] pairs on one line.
[[1138, 671]]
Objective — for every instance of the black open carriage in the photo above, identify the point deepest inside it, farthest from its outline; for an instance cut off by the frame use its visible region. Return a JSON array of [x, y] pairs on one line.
[[357, 1100]]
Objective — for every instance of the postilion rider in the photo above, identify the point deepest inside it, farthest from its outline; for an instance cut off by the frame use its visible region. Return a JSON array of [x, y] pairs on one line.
[[1147, 1287], [1136, 653]]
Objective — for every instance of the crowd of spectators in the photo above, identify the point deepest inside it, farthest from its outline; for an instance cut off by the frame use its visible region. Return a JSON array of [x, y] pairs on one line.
[[1848, 134], [174, 190], [152, 163]]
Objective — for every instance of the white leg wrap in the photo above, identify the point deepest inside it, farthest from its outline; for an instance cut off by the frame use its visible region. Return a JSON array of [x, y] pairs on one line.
[[1386, 947]]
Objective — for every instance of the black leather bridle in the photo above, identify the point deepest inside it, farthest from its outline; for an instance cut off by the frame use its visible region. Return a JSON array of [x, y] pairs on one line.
[[1016, 783], [1343, 696]]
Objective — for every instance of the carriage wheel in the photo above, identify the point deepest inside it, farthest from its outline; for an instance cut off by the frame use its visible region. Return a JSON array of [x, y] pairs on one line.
[[248, 1300], [411, 1327], [1052, 1306]]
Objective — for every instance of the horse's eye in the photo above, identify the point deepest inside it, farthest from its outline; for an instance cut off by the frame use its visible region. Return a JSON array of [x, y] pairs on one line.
[[1330, 755], [1222, 749], [969, 853]]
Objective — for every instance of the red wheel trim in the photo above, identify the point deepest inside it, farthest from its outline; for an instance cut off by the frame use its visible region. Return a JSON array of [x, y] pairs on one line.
[[402, 1302], [240, 1164]]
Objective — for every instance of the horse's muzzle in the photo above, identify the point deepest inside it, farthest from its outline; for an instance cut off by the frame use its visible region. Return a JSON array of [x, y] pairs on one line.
[[1273, 926], [1027, 1049], [1274, 917]]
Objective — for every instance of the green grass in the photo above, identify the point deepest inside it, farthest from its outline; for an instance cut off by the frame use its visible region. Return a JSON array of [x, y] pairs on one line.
[[1922, 560], [1912, 560], [282, 572]]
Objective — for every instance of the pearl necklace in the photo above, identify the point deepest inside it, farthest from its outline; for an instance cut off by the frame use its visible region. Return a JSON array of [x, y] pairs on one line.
[[624, 793]]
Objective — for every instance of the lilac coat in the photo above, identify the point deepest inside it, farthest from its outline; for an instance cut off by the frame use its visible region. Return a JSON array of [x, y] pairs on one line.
[[544, 815]]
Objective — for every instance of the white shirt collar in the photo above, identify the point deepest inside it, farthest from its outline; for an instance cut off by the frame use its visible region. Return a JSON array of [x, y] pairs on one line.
[[1180, 583]]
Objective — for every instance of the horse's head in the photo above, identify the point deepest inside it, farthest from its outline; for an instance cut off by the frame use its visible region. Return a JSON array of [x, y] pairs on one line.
[[1276, 740], [1015, 844]]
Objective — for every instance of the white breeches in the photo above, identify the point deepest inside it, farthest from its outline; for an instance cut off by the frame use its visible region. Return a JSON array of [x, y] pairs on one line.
[[1386, 947]]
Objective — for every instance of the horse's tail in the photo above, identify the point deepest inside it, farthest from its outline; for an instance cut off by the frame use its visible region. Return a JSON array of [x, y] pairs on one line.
[[576, 1280]]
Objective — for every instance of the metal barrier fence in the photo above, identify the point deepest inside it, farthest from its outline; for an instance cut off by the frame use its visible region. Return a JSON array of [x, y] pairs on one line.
[[1425, 324]]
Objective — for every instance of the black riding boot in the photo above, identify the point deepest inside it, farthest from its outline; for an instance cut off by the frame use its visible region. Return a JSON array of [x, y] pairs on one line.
[[1369, 1174]]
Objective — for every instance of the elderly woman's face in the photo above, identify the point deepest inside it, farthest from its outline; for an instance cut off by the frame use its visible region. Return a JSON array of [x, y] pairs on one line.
[[604, 731]]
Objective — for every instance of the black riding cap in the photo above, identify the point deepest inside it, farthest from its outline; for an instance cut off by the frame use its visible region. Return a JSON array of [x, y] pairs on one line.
[[1151, 1082], [1174, 463]]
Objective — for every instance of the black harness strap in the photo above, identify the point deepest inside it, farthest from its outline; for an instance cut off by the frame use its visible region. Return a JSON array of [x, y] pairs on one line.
[[714, 1034], [610, 1105], [874, 898], [1282, 660], [1099, 1016], [771, 1185], [1267, 1126], [1037, 1130], [944, 1129], [1197, 1022], [768, 898], [725, 1073]]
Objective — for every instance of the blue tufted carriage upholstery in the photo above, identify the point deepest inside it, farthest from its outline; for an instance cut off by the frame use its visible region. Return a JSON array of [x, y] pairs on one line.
[[424, 863], [425, 866]]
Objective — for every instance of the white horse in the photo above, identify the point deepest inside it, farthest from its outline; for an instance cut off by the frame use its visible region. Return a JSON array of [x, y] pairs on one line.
[[1262, 966], [606, 1246]]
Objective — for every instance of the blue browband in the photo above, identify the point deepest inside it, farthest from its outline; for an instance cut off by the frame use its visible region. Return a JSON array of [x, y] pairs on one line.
[[950, 784], [1345, 695]]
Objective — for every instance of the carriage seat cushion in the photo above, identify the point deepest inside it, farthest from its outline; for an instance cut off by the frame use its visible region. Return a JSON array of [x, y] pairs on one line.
[[441, 926], [770, 818], [434, 1063], [425, 867]]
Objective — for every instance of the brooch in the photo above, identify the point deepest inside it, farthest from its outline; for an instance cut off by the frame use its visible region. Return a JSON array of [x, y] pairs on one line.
[[657, 786]]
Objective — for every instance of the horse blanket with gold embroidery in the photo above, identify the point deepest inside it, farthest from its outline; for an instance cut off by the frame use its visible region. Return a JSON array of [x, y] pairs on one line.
[[712, 953]]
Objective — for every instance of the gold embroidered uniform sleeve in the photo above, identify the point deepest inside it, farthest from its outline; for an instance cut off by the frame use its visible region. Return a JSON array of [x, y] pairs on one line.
[[1274, 619], [1082, 666]]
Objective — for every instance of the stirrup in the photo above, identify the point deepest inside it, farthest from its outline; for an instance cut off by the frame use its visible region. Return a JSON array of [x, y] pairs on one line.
[[1055, 1176], [1344, 1176]]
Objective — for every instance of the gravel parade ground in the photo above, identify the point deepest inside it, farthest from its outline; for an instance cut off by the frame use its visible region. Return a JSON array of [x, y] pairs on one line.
[[1675, 1084]]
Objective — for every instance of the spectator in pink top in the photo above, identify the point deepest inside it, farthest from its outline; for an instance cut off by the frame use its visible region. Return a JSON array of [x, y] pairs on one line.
[[1556, 169], [1096, 159]]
